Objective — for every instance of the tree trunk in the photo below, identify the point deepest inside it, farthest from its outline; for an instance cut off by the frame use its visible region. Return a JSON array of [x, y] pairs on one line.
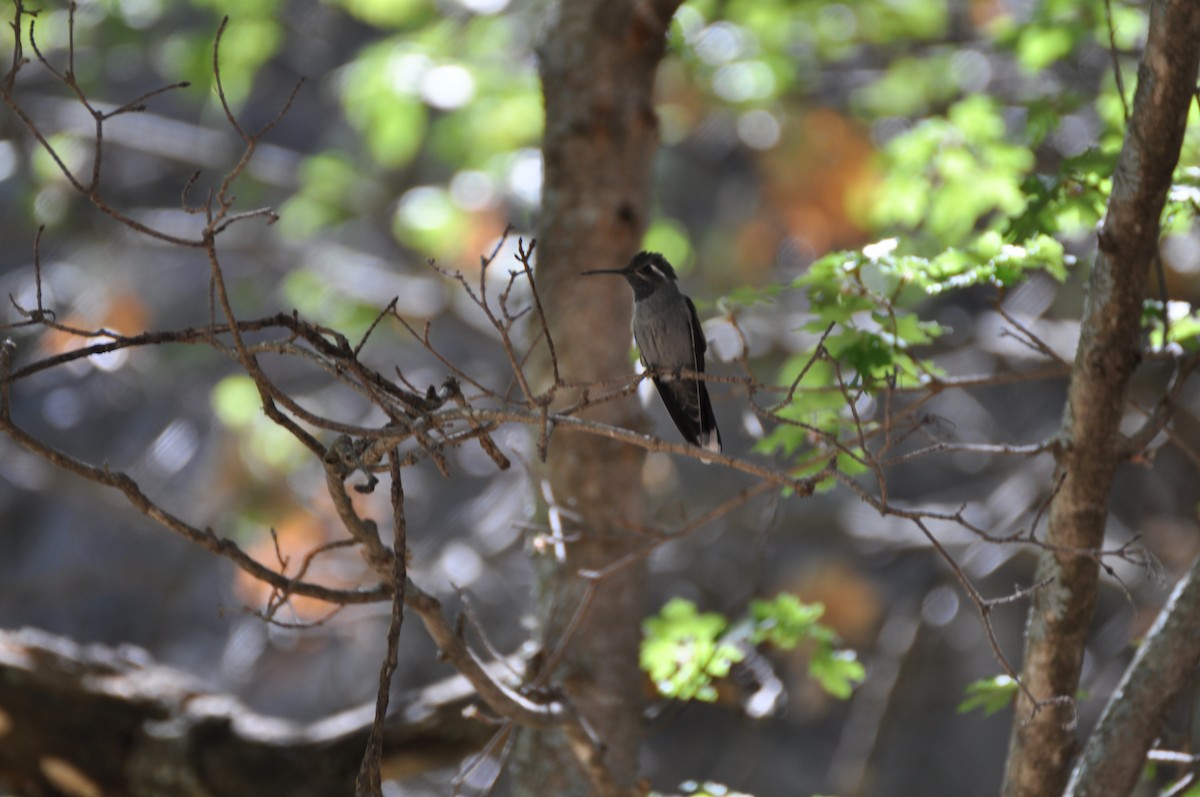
[[1164, 665], [598, 62], [1043, 743]]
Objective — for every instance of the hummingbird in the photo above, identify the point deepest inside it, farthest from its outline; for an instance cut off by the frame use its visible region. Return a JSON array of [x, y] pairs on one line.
[[668, 332]]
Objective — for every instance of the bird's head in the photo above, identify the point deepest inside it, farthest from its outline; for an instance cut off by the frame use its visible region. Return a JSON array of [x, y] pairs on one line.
[[645, 272]]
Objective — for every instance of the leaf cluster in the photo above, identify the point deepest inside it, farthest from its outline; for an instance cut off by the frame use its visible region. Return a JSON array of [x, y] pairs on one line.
[[685, 651], [866, 303], [990, 694]]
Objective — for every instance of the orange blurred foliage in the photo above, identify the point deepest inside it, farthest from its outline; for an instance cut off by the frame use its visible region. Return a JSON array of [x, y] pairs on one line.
[[298, 534], [984, 12], [853, 604], [485, 228], [124, 313], [811, 181]]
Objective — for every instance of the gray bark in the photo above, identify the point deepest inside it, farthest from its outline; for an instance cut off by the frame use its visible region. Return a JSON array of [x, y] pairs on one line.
[[1166, 662]]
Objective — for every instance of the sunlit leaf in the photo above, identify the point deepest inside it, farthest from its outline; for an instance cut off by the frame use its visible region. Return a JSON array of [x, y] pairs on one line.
[[990, 694], [838, 671], [684, 650]]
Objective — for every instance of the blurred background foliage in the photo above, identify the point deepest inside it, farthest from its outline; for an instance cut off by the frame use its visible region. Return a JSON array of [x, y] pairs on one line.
[[892, 169]]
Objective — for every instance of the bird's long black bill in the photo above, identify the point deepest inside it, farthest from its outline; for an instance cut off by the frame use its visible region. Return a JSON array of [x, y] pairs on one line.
[[602, 271]]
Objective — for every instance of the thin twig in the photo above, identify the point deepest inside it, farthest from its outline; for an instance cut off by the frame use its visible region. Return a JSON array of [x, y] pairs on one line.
[[1116, 62], [368, 783]]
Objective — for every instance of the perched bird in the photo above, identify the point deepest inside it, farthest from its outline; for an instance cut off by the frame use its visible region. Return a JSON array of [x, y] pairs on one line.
[[667, 330]]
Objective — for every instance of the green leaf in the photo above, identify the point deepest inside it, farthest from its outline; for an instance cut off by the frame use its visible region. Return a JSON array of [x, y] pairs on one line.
[[784, 621], [681, 651], [990, 694], [838, 671], [949, 177], [1068, 201], [866, 352], [684, 650]]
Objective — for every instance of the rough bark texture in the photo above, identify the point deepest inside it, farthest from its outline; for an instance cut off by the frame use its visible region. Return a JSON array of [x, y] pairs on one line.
[[92, 720], [598, 60], [1165, 663], [1042, 746]]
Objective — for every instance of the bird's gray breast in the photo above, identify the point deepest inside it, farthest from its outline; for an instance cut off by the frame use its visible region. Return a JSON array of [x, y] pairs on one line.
[[662, 326]]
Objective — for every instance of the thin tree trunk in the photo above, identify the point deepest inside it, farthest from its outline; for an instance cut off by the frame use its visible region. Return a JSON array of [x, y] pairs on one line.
[[1165, 663], [598, 61], [1043, 742]]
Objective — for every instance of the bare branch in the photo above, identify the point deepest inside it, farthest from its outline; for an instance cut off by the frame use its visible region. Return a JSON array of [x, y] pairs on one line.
[[1116, 63], [205, 538], [368, 782]]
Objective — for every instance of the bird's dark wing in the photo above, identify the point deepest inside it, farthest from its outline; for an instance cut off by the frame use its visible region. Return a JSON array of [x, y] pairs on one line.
[[683, 404], [687, 399], [688, 404]]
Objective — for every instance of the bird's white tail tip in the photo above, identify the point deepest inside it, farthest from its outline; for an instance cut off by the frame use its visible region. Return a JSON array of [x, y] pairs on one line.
[[710, 442]]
